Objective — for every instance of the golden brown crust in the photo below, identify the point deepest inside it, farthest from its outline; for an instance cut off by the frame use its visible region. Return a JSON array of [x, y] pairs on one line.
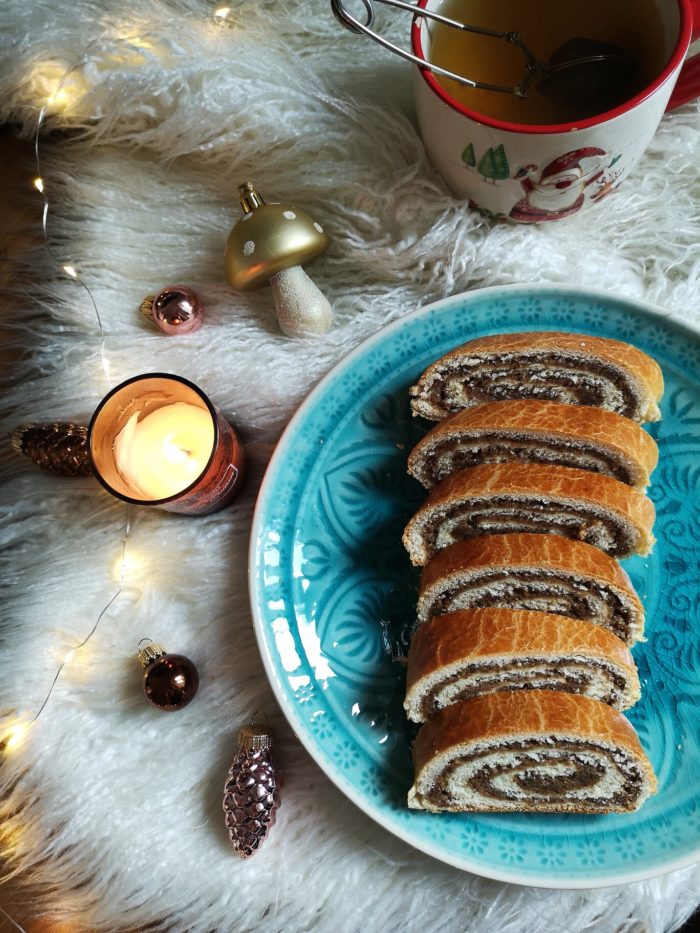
[[545, 482], [494, 717], [525, 551], [644, 371], [550, 420], [477, 634]]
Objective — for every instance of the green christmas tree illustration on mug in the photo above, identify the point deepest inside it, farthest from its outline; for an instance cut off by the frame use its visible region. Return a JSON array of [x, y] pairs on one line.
[[493, 163], [468, 156]]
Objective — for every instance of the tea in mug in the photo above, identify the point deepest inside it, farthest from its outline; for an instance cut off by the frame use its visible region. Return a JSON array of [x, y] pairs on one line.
[[553, 31]]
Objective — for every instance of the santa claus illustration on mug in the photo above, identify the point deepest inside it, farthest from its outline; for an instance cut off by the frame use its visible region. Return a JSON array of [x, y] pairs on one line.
[[560, 188]]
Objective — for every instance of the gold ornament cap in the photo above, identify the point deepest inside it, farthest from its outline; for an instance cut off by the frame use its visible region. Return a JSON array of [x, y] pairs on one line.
[[254, 738], [147, 306], [150, 653], [249, 197], [268, 239]]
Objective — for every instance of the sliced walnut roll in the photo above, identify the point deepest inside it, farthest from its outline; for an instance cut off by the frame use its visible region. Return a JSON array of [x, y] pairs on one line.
[[532, 497], [570, 368], [548, 573], [541, 751], [536, 432], [470, 652]]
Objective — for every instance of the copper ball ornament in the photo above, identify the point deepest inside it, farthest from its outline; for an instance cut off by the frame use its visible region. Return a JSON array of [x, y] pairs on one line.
[[176, 309], [170, 681]]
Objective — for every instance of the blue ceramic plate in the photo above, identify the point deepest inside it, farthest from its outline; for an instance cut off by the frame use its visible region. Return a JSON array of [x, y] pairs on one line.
[[333, 592]]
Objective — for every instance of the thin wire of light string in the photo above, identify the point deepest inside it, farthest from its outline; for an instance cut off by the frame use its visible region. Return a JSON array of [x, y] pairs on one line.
[[41, 120], [44, 231], [13, 922], [41, 187], [113, 599], [218, 16]]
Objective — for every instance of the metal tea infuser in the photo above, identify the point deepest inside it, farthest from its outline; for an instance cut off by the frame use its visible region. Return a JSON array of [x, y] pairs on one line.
[[574, 53]]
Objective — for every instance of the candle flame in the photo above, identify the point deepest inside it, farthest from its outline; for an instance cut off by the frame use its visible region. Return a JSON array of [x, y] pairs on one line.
[[161, 454], [174, 453]]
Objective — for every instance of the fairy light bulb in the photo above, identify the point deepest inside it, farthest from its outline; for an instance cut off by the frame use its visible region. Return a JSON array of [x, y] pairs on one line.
[[15, 737], [61, 87], [39, 185], [132, 564], [15, 734]]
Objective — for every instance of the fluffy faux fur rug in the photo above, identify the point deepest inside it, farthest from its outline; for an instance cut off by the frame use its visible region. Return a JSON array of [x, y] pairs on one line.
[[111, 811]]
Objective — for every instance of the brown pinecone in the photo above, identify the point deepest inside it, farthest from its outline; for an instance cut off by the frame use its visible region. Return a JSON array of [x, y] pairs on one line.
[[251, 793], [59, 447]]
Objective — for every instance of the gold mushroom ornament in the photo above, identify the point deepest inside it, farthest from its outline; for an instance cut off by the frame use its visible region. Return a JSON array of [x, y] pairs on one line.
[[271, 243]]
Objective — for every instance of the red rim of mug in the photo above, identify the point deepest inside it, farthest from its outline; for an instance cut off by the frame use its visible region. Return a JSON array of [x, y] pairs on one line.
[[674, 61]]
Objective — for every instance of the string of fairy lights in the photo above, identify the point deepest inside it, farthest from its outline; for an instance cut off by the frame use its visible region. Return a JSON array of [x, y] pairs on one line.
[[57, 98]]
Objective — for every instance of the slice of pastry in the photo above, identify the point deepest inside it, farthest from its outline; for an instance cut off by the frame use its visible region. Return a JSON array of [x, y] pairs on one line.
[[571, 368], [540, 751], [537, 432], [475, 651], [525, 571], [532, 497]]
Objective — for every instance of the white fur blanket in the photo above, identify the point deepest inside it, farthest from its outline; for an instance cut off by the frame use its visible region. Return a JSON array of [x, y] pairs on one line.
[[110, 810]]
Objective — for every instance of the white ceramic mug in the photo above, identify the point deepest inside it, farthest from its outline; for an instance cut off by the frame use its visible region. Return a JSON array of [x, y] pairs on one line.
[[550, 172]]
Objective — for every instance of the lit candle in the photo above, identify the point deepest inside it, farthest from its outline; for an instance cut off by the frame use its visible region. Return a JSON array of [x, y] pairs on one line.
[[161, 455], [157, 440]]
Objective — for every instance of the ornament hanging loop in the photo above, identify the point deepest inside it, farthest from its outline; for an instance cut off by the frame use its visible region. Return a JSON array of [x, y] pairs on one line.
[[150, 653], [254, 739]]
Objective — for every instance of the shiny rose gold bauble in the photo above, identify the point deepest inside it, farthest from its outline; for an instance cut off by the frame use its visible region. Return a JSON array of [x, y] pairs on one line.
[[176, 309], [170, 681]]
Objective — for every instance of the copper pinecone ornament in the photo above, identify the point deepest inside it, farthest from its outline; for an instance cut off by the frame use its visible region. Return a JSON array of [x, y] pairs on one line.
[[59, 447], [251, 794]]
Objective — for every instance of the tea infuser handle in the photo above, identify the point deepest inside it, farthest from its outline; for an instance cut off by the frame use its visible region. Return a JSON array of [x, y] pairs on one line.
[[353, 24]]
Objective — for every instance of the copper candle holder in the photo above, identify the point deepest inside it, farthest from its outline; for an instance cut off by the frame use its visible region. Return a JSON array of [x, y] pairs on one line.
[[157, 440]]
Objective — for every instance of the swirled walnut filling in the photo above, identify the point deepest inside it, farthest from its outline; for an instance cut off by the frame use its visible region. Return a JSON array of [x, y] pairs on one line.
[[457, 453], [560, 593], [520, 513], [542, 773], [590, 676], [556, 377]]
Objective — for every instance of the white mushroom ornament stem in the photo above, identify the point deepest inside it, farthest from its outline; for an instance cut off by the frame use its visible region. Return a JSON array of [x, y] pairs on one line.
[[271, 243], [301, 306]]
